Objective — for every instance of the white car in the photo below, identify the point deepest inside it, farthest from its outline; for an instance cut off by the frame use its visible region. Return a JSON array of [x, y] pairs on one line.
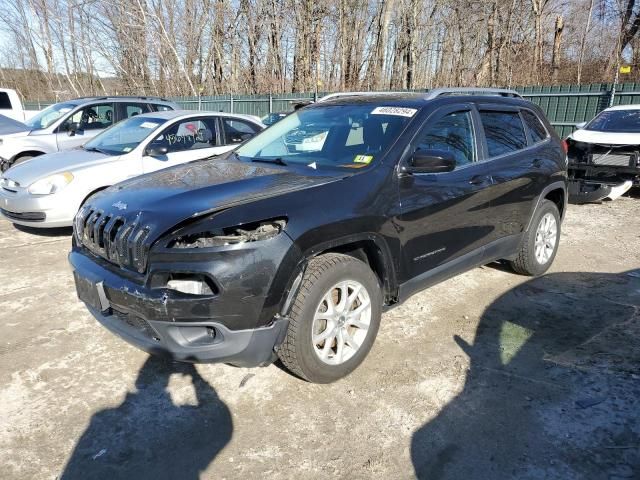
[[69, 124], [604, 155], [48, 191]]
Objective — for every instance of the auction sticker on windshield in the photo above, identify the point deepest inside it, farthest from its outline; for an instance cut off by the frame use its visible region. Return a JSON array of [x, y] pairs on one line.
[[148, 125], [399, 111]]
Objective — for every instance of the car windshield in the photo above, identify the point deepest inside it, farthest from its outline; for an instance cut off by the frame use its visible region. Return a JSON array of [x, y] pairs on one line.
[[49, 115], [625, 121], [351, 136], [124, 136]]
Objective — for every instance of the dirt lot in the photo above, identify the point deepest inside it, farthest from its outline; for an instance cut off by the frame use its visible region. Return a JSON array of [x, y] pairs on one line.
[[488, 375]]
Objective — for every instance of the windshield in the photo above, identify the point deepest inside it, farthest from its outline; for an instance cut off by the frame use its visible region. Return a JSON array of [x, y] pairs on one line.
[[49, 115], [124, 136], [351, 136], [624, 121]]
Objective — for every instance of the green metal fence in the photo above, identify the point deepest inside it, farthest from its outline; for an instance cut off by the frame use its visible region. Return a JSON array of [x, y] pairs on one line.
[[564, 105]]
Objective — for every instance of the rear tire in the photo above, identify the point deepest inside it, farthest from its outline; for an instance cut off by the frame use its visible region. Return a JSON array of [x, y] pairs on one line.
[[540, 243], [334, 319]]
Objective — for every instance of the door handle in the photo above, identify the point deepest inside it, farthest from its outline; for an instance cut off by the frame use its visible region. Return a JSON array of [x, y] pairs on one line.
[[480, 180]]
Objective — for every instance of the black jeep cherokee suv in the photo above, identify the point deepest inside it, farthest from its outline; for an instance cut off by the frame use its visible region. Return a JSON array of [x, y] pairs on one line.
[[293, 245]]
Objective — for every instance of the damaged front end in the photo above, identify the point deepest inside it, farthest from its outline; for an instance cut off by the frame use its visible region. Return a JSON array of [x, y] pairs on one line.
[[230, 236], [598, 171]]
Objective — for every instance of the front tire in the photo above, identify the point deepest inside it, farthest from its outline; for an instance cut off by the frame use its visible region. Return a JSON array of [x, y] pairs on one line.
[[540, 244], [334, 319]]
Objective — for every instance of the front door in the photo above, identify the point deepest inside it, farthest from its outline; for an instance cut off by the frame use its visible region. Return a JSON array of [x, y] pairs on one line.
[[445, 215], [84, 124], [185, 140]]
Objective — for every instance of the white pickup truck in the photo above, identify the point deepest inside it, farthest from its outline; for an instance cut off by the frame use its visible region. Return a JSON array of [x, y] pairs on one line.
[[11, 106]]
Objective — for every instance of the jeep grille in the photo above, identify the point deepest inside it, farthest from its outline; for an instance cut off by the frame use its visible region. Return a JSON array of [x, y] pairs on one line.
[[113, 237]]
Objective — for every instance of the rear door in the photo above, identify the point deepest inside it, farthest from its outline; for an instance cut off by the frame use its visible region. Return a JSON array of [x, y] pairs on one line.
[[186, 140], [515, 161], [445, 215]]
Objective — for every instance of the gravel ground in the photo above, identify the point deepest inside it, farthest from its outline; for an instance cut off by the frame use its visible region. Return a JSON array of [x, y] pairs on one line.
[[487, 375]]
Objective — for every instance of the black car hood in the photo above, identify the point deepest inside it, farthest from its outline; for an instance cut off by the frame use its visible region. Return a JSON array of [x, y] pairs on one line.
[[166, 198]]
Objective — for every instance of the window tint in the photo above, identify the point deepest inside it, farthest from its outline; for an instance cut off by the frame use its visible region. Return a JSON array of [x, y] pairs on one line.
[[237, 131], [133, 109], [535, 127], [504, 132], [188, 135], [452, 133], [5, 102], [94, 117]]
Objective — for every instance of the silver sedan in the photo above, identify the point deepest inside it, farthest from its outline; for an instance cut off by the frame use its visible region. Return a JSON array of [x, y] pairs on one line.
[[47, 191]]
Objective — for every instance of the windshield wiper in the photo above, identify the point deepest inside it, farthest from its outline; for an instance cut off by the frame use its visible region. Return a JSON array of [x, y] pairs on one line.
[[94, 149], [277, 161]]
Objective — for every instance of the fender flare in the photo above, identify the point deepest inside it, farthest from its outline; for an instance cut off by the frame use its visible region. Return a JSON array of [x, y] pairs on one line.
[[560, 185]]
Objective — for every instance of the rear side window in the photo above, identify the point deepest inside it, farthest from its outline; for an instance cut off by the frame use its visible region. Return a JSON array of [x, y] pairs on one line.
[[133, 109], [5, 103], [237, 131], [504, 132], [535, 127], [160, 108]]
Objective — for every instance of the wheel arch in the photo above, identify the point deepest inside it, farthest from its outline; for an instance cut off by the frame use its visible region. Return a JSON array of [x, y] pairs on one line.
[[27, 153], [557, 193], [370, 248]]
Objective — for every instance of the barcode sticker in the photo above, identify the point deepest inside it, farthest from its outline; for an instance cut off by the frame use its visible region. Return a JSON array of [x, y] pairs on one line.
[[399, 111]]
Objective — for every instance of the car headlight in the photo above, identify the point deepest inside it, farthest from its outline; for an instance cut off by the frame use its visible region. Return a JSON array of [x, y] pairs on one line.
[[51, 184]]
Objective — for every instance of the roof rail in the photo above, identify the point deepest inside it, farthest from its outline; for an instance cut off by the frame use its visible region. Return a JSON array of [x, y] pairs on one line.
[[498, 92], [138, 97], [331, 96]]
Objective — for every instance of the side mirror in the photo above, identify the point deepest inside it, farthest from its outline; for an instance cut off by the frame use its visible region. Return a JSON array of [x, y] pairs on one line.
[[158, 151], [72, 128], [430, 161], [581, 125]]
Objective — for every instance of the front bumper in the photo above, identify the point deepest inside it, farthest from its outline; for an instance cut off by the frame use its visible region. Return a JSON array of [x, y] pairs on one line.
[[43, 211], [223, 327]]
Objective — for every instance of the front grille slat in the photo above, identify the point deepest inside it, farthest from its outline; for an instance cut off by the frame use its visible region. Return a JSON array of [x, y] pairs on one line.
[[110, 237]]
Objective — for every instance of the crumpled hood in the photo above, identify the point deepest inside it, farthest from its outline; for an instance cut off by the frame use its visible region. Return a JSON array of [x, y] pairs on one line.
[[26, 173], [165, 198], [606, 138]]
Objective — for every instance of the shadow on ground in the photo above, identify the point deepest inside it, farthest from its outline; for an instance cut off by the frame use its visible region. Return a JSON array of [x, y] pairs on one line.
[[552, 390], [45, 232], [148, 436]]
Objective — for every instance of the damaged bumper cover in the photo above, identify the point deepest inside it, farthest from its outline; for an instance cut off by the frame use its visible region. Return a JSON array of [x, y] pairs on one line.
[[227, 324], [598, 171]]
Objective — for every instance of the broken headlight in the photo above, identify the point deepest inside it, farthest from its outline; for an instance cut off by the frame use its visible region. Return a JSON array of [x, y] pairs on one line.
[[253, 232]]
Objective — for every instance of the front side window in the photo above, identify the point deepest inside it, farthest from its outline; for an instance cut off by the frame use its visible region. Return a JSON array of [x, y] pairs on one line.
[[187, 135], [503, 131], [237, 131], [351, 136], [124, 136], [94, 117], [49, 116], [452, 133], [537, 132]]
